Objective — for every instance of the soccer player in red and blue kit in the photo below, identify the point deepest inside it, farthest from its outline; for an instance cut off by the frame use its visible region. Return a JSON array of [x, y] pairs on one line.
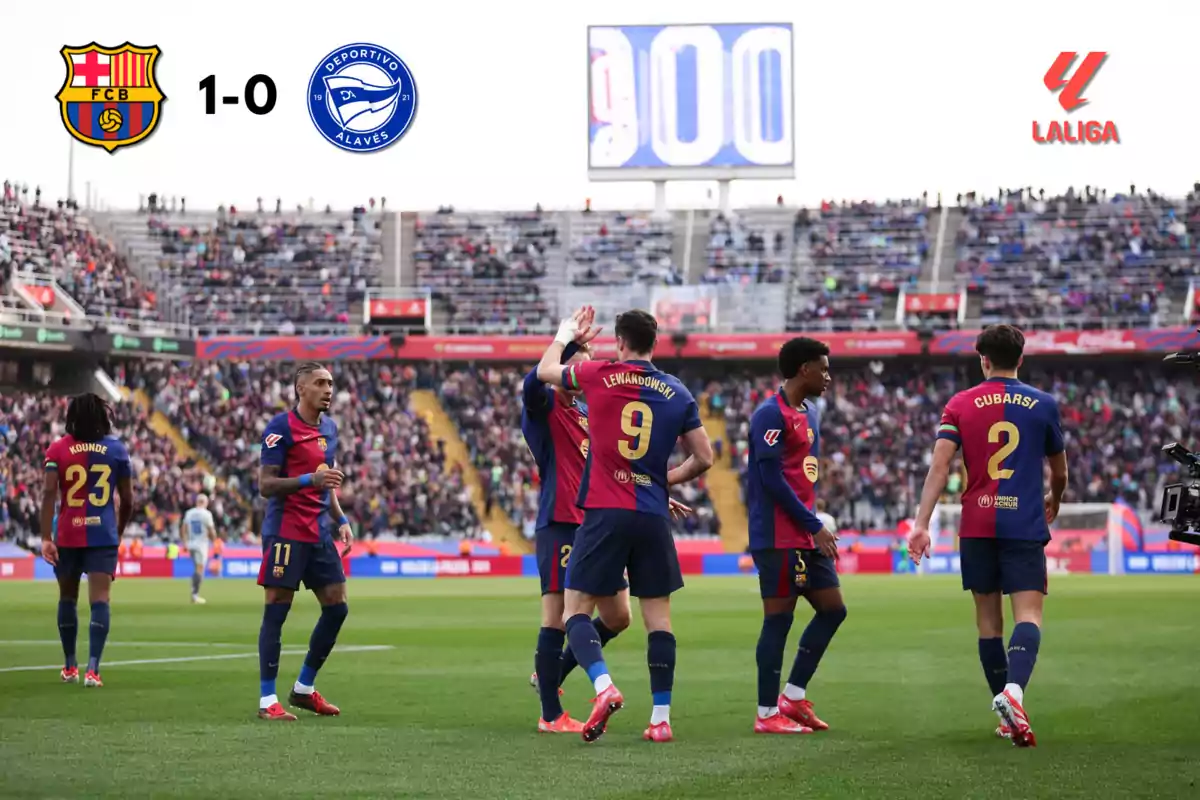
[[1006, 430], [636, 414], [796, 555], [299, 476], [555, 425], [89, 470]]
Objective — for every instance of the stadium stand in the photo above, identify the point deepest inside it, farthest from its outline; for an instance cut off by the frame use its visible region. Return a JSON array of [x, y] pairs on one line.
[[58, 242], [487, 272], [288, 273], [1081, 261]]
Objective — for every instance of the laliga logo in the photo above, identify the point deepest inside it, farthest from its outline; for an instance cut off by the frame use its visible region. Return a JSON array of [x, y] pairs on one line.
[[1071, 98]]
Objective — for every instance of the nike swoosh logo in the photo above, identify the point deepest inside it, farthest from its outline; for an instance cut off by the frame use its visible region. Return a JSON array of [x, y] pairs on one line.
[[273, 666]]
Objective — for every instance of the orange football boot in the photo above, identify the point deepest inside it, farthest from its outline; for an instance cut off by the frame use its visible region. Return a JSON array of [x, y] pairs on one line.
[[563, 724], [778, 723], [313, 702], [607, 703], [658, 733], [276, 711], [801, 711]]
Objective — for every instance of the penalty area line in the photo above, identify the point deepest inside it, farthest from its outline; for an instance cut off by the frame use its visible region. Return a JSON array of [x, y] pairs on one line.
[[369, 648], [58, 643]]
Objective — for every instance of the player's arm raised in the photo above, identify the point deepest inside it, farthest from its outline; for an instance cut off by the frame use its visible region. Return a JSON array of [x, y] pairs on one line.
[[577, 328]]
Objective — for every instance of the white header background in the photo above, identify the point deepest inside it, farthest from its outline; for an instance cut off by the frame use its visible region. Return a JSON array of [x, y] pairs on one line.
[[891, 100]]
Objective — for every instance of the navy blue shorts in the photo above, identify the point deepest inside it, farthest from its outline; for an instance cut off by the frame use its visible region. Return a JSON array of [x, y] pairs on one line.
[[791, 572], [611, 541], [1003, 565], [286, 562], [74, 561], [554, 543]]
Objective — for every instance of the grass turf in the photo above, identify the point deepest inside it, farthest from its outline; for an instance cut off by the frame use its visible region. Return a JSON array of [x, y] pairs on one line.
[[447, 713]]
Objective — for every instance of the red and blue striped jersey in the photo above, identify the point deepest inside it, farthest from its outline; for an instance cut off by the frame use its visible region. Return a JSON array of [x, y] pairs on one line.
[[298, 448], [555, 426], [1006, 429], [788, 439], [88, 473], [636, 414]]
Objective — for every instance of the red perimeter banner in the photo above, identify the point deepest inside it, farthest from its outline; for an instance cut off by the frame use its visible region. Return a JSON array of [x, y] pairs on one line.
[[1081, 342], [145, 568], [16, 569], [530, 348], [931, 302]]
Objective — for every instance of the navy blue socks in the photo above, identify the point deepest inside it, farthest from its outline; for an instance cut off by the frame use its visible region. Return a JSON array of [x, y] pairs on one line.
[[995, 663], [321, 643], [568, 657], [547, 660], [1022, 652], [772, 641], [68, 629], [813, 643], [270, 644], [97, 635]]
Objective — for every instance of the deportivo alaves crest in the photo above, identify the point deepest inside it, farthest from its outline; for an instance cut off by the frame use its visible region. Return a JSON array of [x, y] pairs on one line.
[[110, 97]]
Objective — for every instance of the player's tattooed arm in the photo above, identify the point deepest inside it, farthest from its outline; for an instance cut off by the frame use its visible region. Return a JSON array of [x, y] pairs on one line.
[[271, 485]]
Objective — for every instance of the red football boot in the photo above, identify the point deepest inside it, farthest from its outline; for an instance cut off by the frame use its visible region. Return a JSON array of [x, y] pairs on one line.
[[70, 674], [607, 703], [92, 680], [563, 724], [778, 723], [801, 711], [658, 733], [313, 702], [1003, 731], [1013, 714], [277, 712]]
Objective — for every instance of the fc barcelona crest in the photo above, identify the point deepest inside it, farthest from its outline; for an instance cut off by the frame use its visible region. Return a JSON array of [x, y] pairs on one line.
[[110, 98], [321, 443]]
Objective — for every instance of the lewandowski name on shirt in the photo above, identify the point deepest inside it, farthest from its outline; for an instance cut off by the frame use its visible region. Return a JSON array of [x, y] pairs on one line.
[[1005, 397], [639, 379]]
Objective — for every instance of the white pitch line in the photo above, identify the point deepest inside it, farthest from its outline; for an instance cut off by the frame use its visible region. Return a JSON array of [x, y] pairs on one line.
[[58, 643], [370, 648]]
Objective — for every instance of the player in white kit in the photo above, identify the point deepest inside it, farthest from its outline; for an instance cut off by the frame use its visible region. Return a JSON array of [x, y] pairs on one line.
[[199, 531]]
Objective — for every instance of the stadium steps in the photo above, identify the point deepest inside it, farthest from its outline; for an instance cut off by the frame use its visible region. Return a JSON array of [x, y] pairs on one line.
[[724, 485], [942, 265], [162, 426], [426, 402]]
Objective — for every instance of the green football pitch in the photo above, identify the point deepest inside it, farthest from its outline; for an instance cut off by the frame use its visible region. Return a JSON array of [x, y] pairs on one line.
[[435, 702]]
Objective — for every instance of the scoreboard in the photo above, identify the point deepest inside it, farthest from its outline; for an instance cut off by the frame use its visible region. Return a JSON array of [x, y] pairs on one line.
[[690, 102]]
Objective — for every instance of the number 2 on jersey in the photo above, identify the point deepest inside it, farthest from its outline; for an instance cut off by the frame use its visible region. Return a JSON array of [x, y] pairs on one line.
[[1012, 434], [77, 476], [636, 421]]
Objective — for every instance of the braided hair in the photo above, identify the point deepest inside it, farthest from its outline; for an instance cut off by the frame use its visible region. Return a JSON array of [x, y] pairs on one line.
[[307, 368], [87, 418]]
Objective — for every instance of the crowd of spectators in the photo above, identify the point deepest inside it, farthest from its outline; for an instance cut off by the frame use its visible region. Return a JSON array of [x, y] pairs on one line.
[[860, 253], [742, 253], [398, 480], [165, 481], [57, 241], [278, 273], [1080, 260], [487, 271], [878, 424], [485, 403], [619, 248]]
